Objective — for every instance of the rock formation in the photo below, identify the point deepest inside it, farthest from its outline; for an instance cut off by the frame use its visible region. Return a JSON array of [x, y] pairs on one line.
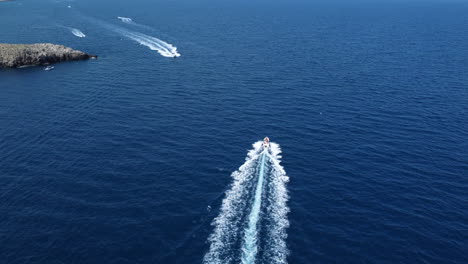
[[17, 55]]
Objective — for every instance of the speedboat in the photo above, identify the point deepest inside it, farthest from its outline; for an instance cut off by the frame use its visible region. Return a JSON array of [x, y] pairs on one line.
[[266, 142], [48, 68]]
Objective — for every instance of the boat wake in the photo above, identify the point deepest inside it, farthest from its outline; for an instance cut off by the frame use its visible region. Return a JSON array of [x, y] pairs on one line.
[[251, 225], [131, 22], [77, 32], [163, 48], [125, 19]]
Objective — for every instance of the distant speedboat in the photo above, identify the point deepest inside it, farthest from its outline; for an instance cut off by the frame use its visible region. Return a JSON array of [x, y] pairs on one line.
[[49, 68], [266, 143]]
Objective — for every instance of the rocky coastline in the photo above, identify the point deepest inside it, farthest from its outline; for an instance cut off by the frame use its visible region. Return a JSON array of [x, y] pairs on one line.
[[20, 55]]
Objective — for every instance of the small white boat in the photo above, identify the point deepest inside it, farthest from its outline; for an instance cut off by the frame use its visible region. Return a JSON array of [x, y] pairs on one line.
[[266, 142], [49, 68]]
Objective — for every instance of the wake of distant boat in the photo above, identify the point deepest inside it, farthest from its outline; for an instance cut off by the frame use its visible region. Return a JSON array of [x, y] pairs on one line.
[[77, 32], [251, 225], [125, 19], [130, 21]]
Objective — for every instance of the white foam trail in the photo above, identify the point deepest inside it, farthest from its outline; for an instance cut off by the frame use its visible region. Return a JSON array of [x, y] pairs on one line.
[[130, 21], [125, 19], [77, 32], [253, 214], [278, 209], [227, 223], [250, 247], [162, 47]]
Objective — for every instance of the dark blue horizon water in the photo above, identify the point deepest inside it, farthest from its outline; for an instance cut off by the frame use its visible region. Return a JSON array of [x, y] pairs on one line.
[[118, 160]]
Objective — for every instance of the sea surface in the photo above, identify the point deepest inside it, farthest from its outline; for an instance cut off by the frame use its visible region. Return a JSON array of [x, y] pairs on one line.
[[128, 158]]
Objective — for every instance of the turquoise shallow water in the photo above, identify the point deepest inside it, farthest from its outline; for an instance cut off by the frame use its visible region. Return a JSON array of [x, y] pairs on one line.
[[126, 159]]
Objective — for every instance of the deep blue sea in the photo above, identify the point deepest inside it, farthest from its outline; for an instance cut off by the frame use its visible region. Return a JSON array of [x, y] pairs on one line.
[[128, 158]]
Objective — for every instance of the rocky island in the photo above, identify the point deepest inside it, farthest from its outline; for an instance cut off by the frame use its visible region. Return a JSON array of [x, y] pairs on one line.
[[18, 55]]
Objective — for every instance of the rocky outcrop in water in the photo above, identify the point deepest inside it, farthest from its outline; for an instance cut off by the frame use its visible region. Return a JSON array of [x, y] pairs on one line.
[[17, 55]]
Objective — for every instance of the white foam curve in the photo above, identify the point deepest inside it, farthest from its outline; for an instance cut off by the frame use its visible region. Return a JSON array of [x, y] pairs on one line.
[[163, 48]]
